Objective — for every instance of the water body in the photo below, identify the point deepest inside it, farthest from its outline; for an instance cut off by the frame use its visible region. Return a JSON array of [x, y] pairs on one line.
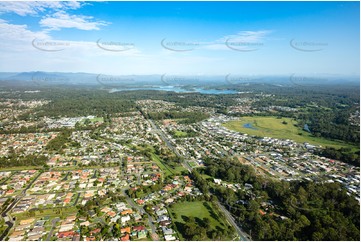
[[306, 128], [249, 126], [179, 90]]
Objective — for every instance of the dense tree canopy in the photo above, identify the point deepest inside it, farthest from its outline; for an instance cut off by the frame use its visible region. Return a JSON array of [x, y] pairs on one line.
[[275, 210]]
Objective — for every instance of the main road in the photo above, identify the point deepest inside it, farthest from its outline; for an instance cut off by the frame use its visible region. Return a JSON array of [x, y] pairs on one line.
[[169, 144], [242, 235]]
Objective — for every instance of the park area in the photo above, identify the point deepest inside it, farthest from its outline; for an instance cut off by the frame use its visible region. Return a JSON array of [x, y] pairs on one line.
[[199, 220]]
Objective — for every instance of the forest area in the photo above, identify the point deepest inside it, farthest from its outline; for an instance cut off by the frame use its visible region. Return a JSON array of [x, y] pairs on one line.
[[279, 210]]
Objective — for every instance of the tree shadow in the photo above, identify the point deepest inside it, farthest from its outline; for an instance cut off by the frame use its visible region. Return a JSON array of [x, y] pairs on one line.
[[185, 218], [219, 229], [210, 210], [181, 228], [200, 222]]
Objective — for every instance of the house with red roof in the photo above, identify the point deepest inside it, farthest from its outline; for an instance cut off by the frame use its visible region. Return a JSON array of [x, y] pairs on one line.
[[140, 201], [125, 238], [95, 231], [66, 234], [138, 228]]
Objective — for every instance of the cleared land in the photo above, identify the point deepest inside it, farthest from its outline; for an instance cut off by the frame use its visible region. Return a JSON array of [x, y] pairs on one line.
[[280, 128], [167, 169], [199, 210], [47, 212], [180, 134], [19, 168], [93, 120], [193, 164]]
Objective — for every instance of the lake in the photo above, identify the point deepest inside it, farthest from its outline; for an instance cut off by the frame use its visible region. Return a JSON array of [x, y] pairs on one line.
[[306, 128], [178, 90], [249, 126]]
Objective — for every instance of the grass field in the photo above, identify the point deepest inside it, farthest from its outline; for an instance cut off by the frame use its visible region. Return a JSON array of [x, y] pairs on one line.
[[19, 168], [197, 209], [180, 134], [70, 168], [50, 212], [193, 164], [168, 171], [273, 127], [97, 119], [93, 120], [205, 176]]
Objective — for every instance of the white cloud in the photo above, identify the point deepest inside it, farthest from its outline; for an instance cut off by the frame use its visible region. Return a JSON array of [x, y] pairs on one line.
[[19, 42], [248, 36], [33, 8], [63, 20], [18, 38], [56, 16], [18, 32], [242, 37], [251, 37]]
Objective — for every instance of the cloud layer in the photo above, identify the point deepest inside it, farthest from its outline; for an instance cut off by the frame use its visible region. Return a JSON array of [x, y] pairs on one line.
[[34, 8], [61, 20]]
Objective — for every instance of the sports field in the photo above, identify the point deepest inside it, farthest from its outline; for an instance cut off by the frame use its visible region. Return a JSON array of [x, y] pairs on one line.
[[280, 128]]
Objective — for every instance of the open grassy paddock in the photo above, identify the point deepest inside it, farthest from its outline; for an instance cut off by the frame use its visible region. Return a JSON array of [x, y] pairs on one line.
[[48, 212], [280, 128], [180, 134], [200, 210], [168, 170]]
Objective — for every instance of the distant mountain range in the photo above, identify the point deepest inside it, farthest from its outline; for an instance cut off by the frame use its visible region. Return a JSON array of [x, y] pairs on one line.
[[39, 78]]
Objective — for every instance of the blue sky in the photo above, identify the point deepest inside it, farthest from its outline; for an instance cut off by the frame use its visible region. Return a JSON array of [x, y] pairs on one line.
[[187, 38]]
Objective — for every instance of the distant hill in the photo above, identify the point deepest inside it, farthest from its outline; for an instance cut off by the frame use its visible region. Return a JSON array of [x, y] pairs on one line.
[[39, 78]]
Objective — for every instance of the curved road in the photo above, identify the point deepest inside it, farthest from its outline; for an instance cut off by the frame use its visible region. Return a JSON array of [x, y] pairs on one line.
[[142, 211], [53, 224]]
